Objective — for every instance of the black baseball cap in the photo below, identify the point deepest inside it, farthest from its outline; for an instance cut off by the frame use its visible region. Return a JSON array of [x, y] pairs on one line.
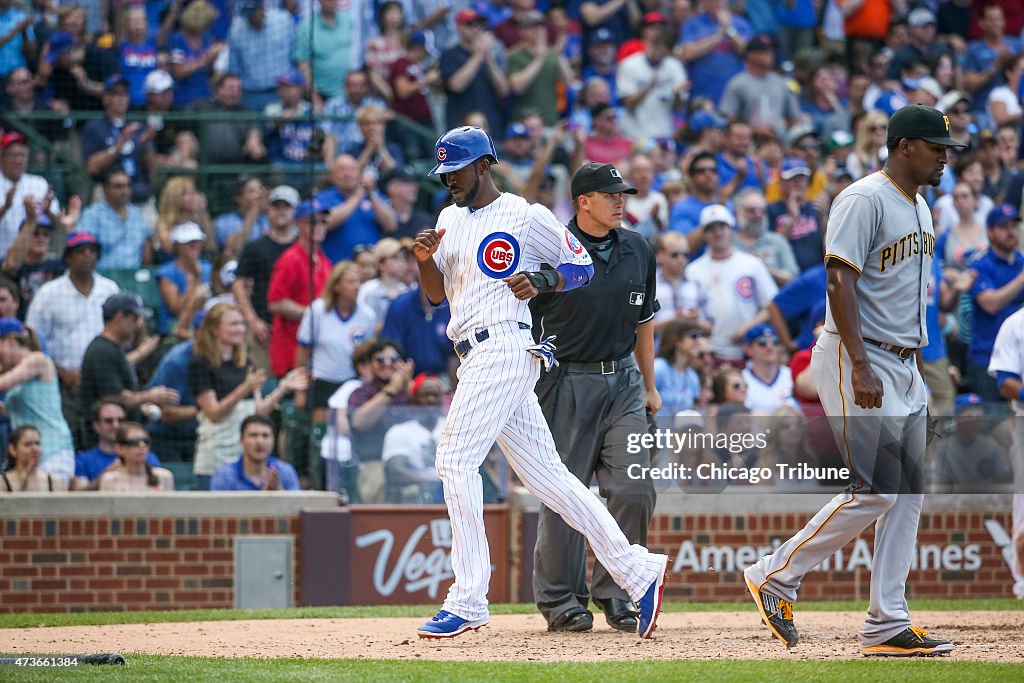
[[917, 121], [594, 177]]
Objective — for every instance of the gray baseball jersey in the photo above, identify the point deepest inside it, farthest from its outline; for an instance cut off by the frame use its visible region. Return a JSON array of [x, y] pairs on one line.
[[887, 236]]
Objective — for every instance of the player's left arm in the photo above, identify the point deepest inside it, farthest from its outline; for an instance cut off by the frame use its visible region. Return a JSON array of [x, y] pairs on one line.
[[548, 242]]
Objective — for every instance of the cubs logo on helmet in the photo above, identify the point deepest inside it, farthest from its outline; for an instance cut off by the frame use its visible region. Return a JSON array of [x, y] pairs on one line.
[[498, 255], [460, 147], [745, 287], [574, 244]]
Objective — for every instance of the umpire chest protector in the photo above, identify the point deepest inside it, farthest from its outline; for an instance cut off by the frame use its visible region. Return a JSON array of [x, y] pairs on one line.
[[598, 322]]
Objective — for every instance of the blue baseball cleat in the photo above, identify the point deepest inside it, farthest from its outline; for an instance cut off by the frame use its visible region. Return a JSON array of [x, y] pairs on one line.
[[447, 625], [650, 604]]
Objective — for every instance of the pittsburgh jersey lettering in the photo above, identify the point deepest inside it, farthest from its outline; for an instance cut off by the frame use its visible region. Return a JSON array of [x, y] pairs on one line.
[[905, 247]]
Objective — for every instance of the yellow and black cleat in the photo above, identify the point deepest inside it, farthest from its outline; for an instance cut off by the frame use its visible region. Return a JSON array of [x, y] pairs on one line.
[[913, 642]]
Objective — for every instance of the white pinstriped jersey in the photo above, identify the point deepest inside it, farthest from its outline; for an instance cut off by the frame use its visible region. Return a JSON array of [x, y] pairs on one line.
[[481, 247]]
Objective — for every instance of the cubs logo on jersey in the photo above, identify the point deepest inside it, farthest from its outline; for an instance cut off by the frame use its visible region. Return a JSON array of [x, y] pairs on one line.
[[498, 255], [745, 287], [358, 335], [575, 246]]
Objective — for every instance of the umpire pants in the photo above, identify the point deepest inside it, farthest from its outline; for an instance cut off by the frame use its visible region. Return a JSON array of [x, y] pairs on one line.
[[590, 416]]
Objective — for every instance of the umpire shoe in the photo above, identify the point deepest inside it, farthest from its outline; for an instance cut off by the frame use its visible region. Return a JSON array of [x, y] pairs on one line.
[[447, 625], [776, 614], [912, 642], [650, 603], [620, 614], [574, 621]]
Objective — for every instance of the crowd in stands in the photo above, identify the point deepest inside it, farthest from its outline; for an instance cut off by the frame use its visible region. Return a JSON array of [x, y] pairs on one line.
[[270, 332]]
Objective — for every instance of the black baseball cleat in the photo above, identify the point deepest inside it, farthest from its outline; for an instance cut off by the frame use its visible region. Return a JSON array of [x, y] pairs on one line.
[[573, 621], [913, 642], [776, 614]]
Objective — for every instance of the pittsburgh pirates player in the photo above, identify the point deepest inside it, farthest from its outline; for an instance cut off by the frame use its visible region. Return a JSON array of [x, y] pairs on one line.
[[485, 257], [867, 367], [1007, 366]]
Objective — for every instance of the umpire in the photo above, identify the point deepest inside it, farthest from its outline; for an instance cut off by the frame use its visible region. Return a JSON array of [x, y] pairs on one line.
[[596, 398]]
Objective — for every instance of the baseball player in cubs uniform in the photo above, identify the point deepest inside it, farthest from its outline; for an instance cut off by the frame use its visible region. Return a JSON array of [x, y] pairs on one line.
[[1007, 366], [485, 257], [867, 368]]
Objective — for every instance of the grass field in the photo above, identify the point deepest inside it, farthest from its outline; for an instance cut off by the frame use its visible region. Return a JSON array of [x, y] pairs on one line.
[[143, 667], [150, 668]]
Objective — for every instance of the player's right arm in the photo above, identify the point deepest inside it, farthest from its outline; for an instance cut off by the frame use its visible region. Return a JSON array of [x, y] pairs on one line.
[[852, 224], [842, 299], [431, 278]]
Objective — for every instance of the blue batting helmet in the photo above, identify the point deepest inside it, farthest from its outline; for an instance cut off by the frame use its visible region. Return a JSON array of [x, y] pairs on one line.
[[460, 147]]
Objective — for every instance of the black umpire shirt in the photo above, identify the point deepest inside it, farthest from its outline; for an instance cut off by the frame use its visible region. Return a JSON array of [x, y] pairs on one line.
[[598, 322]]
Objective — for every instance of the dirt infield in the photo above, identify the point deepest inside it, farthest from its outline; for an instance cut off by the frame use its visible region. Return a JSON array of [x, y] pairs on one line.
[[980, 636]]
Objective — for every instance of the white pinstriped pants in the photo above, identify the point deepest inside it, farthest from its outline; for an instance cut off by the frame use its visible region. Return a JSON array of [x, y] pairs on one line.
[[495, 401]]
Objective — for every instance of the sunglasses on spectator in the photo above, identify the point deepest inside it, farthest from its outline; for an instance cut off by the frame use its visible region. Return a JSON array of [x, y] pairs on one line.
[[387, 359], [877, 127], [362, 249], [701, 355], [766, 341], [140, 441], [754, 209], [112, 420], [808, 146], [697, 334], [705, 169]]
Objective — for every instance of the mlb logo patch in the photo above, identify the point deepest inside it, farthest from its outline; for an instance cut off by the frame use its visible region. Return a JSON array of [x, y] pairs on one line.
[[636, 298]]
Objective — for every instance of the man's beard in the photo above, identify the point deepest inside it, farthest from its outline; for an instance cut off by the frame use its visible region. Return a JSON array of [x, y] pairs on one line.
[[469, 196], [755, 228]]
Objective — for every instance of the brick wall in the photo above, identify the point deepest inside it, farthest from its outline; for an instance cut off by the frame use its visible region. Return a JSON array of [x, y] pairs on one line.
[[957, 555], [90, 551], [957, 540], [125, 563]]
